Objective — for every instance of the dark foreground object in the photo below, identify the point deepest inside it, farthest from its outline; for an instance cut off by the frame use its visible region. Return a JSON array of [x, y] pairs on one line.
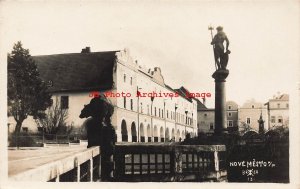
[[260, 158]]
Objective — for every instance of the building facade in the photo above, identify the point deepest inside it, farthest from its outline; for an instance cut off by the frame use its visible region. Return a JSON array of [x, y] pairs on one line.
[[145, 108], [232, 116], [278, 111], [206, 121], [249, 114]]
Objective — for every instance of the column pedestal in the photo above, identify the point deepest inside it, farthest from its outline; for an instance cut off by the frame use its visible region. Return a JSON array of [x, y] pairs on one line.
[[220, 101]]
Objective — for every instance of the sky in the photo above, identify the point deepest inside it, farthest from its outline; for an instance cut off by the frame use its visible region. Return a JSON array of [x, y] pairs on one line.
[[173, 35]]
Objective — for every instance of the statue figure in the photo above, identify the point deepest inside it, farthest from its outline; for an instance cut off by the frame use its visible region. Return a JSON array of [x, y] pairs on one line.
[[221, 57], [100, 110]]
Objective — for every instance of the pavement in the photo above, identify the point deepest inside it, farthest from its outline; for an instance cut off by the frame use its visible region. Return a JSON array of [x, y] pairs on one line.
[[25, 159]]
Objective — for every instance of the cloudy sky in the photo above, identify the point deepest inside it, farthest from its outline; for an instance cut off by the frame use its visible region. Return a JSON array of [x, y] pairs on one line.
[[264, 38]]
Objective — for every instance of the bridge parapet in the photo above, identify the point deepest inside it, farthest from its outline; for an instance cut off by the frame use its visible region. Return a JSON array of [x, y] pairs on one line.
[[174, 162], [80, 166]]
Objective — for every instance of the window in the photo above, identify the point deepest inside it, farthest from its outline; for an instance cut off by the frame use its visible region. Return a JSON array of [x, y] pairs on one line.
[[167, 113], [205, 115], [278, 105], [124, 78], [273, 119], [141, 107], [130, 80], [64, 100], [25, 129], [280, 119], [287, 105], [131, 104], [229, 107], [230, 123], [229, 114], [248, 120], [252, 106], [211, 126], [159, 112], [155, 111], [124, 102]]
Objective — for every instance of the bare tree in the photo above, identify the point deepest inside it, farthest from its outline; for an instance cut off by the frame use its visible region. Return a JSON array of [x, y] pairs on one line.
[[54, 121]]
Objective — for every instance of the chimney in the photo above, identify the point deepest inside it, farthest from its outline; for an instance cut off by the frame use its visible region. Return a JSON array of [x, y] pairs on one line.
[[86, 50], [204, 101]]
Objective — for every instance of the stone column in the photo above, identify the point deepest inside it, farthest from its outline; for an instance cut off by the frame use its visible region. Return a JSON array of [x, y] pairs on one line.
[[220, 101]]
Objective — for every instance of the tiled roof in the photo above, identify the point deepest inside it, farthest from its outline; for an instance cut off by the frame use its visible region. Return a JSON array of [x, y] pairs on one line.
[[77, 71]]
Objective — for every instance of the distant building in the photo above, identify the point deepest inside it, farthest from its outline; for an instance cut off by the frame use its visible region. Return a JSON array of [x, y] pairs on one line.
[[232, 116], [249, 114], [278, 111], [205, 117], [72, 77]]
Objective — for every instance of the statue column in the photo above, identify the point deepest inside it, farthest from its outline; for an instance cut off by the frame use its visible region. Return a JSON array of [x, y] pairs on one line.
[[220, 101]]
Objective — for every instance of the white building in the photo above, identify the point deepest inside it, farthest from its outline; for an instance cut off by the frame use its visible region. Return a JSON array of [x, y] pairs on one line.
[[278, 111], [72, 77]]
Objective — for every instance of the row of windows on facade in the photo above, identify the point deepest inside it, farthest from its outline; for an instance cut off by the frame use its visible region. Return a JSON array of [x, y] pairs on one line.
[[211, 125], [125, 79], [273, 120], [179, 117], [278, 106], [229, 115], [279, 119]]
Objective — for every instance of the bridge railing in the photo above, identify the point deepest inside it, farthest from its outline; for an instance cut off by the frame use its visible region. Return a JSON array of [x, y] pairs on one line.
[[83, 166], [162, 162]]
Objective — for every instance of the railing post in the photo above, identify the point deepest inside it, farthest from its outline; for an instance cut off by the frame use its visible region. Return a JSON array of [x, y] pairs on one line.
[[91, 169], [177, 160], [77, 174], [57, 175], [216, 160]]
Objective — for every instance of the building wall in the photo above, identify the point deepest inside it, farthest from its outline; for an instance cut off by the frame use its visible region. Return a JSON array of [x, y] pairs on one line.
[[206, 121], [159, 114], [278, 113], [232, 116], [252, 110]]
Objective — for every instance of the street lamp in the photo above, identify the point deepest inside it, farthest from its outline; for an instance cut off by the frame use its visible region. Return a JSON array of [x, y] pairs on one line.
[[138, 111], [186, 112], [164, 114], [151, 132], [176, 106]]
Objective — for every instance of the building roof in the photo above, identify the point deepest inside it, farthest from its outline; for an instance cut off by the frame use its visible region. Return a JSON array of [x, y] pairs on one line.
[[200, 105], [280, 97], [77, 71]]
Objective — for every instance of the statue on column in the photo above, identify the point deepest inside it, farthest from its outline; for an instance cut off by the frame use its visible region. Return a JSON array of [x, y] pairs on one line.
[[221, 54]]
